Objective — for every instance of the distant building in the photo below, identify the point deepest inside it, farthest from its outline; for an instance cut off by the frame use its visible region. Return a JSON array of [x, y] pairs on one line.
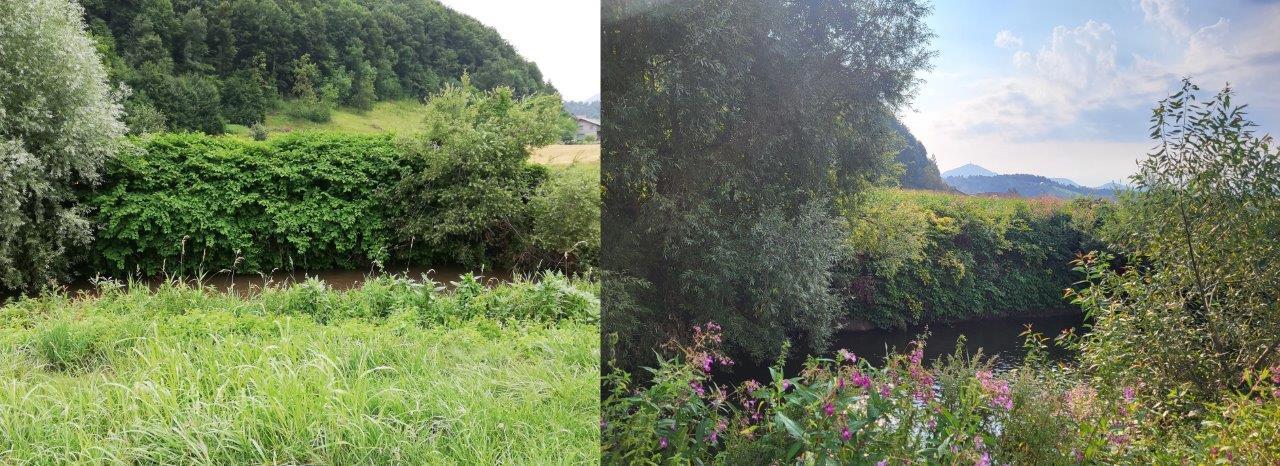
[[588, 127]]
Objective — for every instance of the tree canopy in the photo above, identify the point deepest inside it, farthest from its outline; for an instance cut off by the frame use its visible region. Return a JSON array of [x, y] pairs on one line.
[[59, 122], [734, 129], [195, 64]]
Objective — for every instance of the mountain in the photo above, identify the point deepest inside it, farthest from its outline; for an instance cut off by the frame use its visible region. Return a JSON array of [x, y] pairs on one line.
[[1114, 186], [1065, 182], [968, 170], [919, 171], [587, 109], [1023, 185]]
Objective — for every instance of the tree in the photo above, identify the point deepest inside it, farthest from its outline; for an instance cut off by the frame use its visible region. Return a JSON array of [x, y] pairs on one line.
[[59, 122], [470, 178], [733, 129], [1199, 234]]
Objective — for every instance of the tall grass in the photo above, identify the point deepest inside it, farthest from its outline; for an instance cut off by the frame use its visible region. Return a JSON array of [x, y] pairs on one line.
[[394, 372]]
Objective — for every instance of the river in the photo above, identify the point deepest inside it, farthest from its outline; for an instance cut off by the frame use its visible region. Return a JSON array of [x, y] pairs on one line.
[[999, 337]]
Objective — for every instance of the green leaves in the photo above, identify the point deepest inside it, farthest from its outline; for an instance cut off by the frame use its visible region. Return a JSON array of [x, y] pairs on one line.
[[187, 203]]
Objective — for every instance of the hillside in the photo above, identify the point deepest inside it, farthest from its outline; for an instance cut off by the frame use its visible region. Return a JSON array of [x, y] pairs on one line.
[[1023, 185], [967, 169], [199, 64], [920, 171], [588, 109]]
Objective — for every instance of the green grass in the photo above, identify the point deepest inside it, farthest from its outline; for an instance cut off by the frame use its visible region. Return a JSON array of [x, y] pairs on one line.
[[394, 372], [399, 116]]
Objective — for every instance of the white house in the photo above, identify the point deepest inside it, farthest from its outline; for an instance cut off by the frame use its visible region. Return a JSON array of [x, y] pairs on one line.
[[588, 127]]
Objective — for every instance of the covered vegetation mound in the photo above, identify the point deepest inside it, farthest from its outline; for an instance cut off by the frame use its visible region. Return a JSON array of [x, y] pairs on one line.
[[196, 65], [396, 371], [917, 256]]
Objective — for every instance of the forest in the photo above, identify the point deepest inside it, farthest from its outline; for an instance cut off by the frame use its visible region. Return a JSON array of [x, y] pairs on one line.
[[197, 65]]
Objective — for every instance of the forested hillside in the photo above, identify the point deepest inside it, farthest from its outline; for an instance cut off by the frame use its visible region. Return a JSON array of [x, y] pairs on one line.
[[199, 64], [919, 171]]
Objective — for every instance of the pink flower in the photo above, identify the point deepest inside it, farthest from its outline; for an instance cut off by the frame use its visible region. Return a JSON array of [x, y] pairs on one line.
[[845, 435], [786, 384], [848, 357], [859, 379], [883, 462], [997, 389], [1128, 394], [829, 409], [662, 443], [985, 460], [884, 390], [697, 387]]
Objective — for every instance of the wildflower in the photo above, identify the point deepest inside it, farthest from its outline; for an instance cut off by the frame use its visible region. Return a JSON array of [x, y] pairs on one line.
[[715, 433], [883, 462], [848, 356], [1275, 375], [697, 387], [998, 389], [829, 409], [662, 443], [931, 424], [706, 363], [884, 390], [845, 435], [860, 380], [1128, 394], [839, 383], [786, 384], [985, 460]]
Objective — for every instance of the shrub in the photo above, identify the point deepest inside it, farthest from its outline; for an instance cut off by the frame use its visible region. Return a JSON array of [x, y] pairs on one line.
[[913, 257], [189, 203], [59, 122], [463, 195], [1199, 234], [565, 213]]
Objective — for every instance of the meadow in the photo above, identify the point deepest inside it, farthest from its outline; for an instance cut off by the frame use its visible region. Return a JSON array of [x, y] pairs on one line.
[[397, 371]]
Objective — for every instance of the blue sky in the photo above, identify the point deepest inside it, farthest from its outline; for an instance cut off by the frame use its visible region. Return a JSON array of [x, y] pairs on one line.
[[1064, 89]]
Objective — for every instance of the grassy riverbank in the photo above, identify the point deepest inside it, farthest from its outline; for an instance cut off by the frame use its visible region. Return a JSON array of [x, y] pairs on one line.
[[394, 371]]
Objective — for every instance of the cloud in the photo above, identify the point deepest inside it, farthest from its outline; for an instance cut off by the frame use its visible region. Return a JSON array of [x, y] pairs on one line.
[[1167, 14], [1006, 40]]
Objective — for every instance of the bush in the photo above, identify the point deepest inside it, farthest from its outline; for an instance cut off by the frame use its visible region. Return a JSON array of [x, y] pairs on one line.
[[912, 257], [313, 110], [191, 103], [463, 195], [565, 212], [59, 122], [1199, 234], [188, 203]]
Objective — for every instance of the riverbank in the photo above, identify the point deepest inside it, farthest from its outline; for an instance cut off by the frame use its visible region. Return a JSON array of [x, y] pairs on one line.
[[390, 371]]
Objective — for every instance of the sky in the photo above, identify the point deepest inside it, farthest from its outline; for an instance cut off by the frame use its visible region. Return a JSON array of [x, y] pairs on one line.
[[1065, 89], [561, 36]]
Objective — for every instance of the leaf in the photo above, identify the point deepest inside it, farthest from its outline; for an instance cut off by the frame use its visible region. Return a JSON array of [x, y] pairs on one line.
[[791, 426]]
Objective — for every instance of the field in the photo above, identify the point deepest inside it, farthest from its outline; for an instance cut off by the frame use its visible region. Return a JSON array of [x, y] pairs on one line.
[[405, 116], [394, 372]]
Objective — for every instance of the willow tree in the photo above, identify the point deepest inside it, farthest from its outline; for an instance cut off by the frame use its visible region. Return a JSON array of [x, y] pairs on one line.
[[59, 121], [732, 129]]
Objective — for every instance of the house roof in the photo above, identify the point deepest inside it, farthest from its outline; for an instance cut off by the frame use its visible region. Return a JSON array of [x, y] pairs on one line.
[[590, 120]]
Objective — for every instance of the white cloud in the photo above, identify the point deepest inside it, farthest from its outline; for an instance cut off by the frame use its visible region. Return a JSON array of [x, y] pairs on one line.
[[1167, 14], [1006, 40]]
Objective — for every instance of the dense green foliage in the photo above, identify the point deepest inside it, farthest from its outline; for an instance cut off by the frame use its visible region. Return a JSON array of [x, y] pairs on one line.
[[59, 122], [195, 64], [919, 170], [848, 410], [468, 180], [732, 127], [917, 257], [393, 372], [191, 203], [188, 203], [1201, 239]]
